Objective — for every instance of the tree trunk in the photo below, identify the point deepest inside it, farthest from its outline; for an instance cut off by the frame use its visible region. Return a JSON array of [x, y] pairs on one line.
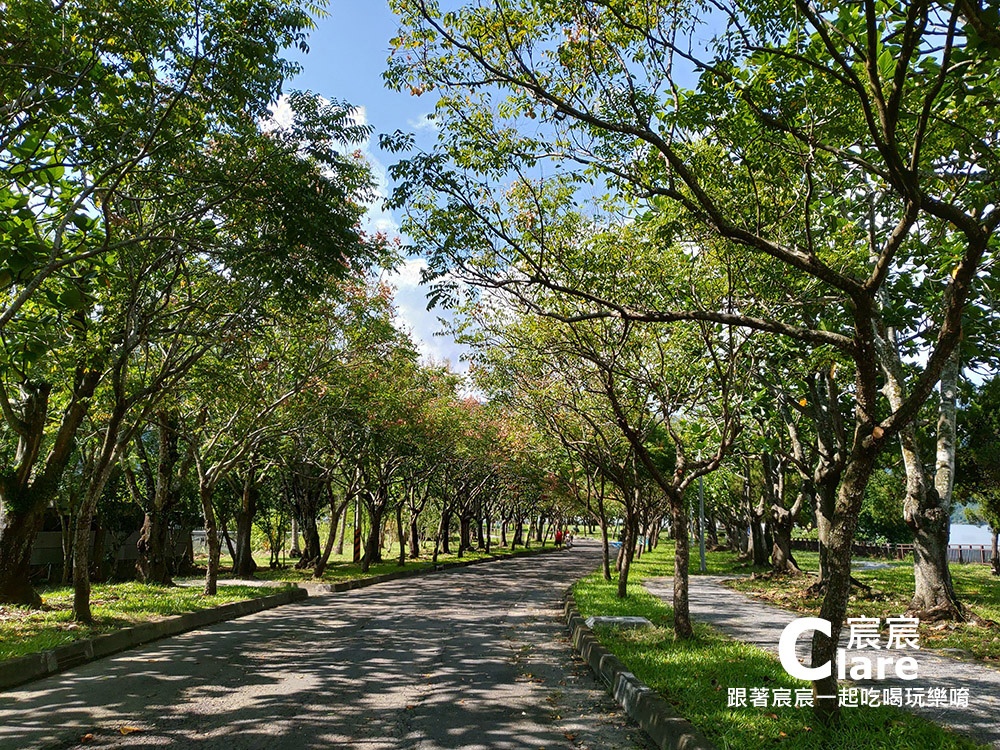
[[414, 538], [244, 565], [17, 536], [339, 549], [934, 593], [682, 613], [399, 534], [927, 515], [229, 541], [758, 546], [152, 565], [926, 508], [605, 550], [295, 551], [517, 538], [782, 522], [713, 532], [66, 545], [995, 558], [26, 490], [212, 540], [838, 587], [626, 554], [310, 540], [464, 534], [446, 531], [826, 499], [373, 545], [335, 515], [111, 450]]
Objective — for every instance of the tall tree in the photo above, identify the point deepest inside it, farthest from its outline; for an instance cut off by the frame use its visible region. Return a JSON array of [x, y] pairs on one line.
[[743, 142]]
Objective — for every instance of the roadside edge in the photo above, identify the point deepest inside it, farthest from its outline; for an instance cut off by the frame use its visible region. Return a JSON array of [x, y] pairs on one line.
[[654, 715], [35, 666]]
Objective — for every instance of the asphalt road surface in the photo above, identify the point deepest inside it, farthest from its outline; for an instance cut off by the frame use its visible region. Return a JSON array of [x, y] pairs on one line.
[[471, 658]]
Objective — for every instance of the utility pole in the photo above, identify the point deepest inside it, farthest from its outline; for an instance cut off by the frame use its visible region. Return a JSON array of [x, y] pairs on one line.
[[701, 520]]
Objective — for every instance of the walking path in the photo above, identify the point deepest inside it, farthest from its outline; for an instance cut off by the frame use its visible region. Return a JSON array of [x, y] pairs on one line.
[[474, 658], [756, 622]]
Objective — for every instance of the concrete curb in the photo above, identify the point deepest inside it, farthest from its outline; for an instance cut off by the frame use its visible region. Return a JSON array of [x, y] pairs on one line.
[[667, 730], [360, 583], [35, 666]]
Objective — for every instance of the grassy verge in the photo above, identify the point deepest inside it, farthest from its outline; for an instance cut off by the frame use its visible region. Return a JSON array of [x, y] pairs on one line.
[[695, 676], [892, 589], [114, 605]]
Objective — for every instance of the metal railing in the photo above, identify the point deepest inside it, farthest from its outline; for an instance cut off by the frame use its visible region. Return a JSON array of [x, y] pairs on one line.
[[960, 553]]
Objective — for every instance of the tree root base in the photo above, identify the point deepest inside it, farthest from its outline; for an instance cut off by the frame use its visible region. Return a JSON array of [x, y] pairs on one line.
[[819, 589]]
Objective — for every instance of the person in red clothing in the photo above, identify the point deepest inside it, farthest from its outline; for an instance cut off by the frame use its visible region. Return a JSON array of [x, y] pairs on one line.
[[559, 538]]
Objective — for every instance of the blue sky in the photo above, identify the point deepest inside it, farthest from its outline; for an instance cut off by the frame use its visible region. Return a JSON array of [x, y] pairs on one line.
[[347, 54]]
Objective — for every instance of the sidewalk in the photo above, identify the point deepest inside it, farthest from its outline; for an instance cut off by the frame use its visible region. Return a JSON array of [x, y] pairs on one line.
[[753, 621]]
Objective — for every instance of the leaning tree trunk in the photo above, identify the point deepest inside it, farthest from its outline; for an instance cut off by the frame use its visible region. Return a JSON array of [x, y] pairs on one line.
[[111, 449], [926, 508], [995, 558], [627, 554], [212, 539], [26, 489], [339, 549]]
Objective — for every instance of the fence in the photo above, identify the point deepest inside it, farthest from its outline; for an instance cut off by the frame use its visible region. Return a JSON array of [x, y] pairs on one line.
[[960, 553], [47, 549]]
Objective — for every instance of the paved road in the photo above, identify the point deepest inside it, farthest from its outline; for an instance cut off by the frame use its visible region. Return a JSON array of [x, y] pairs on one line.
[[470, 658], [756, 622]]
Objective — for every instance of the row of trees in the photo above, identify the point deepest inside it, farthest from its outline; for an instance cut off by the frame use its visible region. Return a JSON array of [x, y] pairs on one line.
[[192, 327], [746, 230]]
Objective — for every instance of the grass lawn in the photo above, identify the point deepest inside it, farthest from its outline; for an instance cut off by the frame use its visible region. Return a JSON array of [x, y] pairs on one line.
[[695, 676], [114, 606], [893, 588]]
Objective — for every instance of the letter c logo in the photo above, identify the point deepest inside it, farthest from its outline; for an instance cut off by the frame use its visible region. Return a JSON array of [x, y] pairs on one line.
[[786, 648]]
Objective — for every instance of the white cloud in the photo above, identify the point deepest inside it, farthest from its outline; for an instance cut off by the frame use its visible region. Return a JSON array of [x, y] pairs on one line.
[[407, 276], [424, 123]]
